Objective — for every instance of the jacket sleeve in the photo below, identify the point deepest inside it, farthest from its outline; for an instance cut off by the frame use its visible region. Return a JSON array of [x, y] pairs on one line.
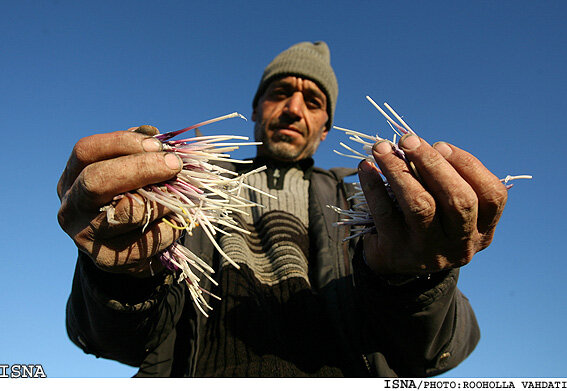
[[424, 327], [120, 317]]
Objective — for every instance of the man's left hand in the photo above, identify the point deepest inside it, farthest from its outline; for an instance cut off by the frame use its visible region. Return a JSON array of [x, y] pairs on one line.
[[442, 219]]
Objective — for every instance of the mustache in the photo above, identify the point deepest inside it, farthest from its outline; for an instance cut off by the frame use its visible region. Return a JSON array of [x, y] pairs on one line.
[[281, 123]]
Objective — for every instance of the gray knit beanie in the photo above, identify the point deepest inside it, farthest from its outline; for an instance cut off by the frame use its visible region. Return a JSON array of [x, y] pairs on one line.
[[305, 59]]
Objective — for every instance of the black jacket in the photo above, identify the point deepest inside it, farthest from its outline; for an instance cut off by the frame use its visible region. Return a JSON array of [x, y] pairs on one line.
[[419, 329]]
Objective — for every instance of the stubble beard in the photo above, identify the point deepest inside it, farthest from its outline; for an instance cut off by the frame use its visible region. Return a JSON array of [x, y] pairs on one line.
[[281, 146]]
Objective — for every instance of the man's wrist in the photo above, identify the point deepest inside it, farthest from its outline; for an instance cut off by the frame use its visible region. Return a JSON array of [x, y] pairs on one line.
[[403, 279], [397, 279]]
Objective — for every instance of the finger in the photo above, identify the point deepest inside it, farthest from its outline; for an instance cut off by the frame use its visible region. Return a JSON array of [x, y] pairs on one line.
[[416, 204], [454, 197], [120, 253], [148, 130], [100, 147], [381, 206], [100, 182], [130, 213], [491, 193], [390, 230]]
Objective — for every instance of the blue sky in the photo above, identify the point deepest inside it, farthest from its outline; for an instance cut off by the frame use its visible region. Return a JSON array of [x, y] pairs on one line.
[[488, 76]]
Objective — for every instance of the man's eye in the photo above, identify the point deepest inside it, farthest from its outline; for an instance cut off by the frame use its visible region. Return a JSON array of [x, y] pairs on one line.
[[279, 92], [315, 103]]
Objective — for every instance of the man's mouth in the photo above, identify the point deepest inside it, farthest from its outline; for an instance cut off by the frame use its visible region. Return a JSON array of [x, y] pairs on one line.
[[289, 130]]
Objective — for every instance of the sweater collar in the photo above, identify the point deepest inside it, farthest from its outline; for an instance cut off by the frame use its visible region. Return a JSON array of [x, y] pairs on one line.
[[303, 165], [276, 170]]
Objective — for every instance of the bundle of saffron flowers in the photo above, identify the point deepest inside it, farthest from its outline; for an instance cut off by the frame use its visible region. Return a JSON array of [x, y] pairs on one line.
[[204, 195], [359, 217]]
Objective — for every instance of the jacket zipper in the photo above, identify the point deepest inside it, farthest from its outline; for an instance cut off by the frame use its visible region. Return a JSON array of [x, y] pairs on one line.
[[344, 245]]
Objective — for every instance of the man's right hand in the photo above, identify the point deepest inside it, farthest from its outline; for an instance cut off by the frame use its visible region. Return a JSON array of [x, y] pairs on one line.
[[101, 167]]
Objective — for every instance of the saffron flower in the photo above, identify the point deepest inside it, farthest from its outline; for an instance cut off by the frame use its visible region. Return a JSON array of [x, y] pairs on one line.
[[204, 194], [359, 217]]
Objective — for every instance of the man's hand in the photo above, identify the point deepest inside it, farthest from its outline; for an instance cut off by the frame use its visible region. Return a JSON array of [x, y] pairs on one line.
[[442, 220], [101, 167]]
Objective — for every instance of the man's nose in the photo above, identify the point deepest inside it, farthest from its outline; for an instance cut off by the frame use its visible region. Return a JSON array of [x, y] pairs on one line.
[[294, 105]]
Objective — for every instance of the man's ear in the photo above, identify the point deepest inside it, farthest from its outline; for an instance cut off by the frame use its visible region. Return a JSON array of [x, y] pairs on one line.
[[254, 114], [324, 134]]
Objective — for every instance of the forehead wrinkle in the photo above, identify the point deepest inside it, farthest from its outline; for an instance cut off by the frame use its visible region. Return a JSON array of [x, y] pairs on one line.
[[300, 84]]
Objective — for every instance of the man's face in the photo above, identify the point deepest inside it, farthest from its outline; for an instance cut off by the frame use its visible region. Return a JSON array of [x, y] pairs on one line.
[[290, 119]]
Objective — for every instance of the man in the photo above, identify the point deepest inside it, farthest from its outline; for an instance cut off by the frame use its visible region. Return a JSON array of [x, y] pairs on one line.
[[303, 302]]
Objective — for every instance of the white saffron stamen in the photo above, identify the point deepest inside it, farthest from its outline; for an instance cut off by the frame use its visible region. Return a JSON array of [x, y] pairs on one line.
[[203, 194]]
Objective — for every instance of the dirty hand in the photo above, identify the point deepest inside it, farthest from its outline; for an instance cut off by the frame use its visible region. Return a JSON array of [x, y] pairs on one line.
[[101, 167], [442, 220]]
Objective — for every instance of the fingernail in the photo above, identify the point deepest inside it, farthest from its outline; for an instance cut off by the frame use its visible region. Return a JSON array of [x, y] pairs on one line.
[[173, 161], [382, 147], [365, 166], [148, 130], [151, 144], [410, 141], [443, 148]]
